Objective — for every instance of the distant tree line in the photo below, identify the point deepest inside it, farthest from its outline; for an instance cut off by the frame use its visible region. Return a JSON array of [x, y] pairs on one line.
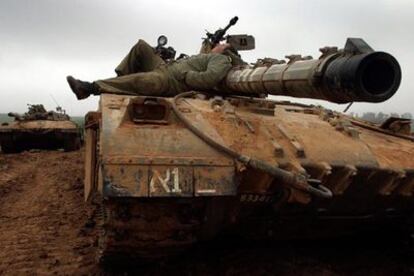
[[380, 117]]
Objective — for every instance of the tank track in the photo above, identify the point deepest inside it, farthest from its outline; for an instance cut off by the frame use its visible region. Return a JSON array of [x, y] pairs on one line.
[[143, 230]]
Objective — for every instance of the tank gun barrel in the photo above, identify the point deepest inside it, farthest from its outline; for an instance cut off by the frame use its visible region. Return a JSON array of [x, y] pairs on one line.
[[355, 74], [18, 117]]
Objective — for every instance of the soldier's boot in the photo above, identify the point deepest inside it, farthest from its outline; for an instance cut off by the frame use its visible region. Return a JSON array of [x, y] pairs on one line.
[[82, 89]]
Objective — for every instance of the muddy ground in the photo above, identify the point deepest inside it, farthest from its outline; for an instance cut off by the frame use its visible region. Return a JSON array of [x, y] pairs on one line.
[[45, 228]]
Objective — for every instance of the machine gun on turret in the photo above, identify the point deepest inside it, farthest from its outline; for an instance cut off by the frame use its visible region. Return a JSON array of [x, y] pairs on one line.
[[237, 42], [218, 35]]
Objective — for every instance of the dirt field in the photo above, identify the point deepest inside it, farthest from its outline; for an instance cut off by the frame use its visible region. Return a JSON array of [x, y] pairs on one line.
[[45, 228], [44, 223]]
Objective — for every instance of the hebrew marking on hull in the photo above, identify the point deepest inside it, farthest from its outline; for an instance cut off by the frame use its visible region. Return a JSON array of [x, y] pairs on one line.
[[173, 177]]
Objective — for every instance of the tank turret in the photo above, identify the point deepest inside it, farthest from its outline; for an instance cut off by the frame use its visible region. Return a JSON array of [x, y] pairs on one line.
[[38, 112], [356, 73]]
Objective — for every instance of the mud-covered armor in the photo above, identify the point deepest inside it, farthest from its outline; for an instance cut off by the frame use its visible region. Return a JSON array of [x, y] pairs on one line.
[[172, 171]]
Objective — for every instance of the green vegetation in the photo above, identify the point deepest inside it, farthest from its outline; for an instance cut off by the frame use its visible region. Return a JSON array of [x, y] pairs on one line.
[[5, 118], [79, 120]]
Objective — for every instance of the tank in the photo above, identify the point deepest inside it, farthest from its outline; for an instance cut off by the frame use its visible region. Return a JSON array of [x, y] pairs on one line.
[[39, 129], [171, 172]]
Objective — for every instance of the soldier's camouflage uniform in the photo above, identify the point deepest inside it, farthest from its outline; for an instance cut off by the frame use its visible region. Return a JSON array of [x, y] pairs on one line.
[[142, 72]]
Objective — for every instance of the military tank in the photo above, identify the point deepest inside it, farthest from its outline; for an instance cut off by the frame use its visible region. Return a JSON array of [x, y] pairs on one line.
[[39, 129], [174, 171]]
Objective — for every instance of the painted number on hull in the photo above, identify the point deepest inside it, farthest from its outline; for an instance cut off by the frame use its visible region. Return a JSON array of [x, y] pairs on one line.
[[164, 179]]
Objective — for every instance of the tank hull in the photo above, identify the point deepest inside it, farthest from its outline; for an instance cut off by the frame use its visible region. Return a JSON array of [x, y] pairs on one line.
[[40, 134], [165, 188]]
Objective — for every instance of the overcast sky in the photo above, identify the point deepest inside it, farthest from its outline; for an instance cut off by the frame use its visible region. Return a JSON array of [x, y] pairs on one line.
[[43, 41]]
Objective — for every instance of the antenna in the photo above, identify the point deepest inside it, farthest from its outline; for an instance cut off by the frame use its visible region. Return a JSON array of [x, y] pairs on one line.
[[53, 98], [58, 107], [347, 108]]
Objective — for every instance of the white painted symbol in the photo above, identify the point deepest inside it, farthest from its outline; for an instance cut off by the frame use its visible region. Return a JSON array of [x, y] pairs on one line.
[[156, 176], [206, 191]]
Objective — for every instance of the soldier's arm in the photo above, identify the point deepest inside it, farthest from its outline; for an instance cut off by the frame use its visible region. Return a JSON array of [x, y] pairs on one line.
[[217, 68]]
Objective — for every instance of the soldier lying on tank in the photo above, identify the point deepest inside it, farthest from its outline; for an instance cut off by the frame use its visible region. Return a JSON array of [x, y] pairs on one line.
[[142, 72]]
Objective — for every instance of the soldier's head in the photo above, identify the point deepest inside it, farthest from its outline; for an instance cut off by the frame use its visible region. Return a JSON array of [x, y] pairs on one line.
[[220, 48]]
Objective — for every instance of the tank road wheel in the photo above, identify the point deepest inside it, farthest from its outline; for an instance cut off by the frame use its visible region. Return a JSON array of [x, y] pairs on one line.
[[142, 231], [71, 143], [102, 218], [9, 147]]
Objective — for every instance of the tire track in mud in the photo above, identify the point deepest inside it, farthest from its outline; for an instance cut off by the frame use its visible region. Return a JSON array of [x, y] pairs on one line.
[[12, 174], [43, 218]]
